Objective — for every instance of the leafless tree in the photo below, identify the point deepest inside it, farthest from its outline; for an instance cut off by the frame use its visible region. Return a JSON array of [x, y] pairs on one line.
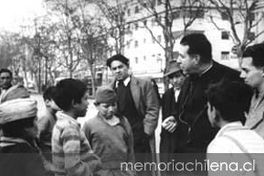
[[165, 13], [93, 40], [239, 13]]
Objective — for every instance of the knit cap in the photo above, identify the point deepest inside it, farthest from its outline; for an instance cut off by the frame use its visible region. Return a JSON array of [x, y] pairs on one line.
[[105, 94]]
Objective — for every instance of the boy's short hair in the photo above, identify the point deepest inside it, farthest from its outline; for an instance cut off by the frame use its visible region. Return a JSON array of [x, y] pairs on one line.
[[49, 93], [68, 91], [231, 99]]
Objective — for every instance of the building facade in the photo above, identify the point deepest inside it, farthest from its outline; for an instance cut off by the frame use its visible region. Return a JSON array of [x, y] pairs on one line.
[[144, 39]]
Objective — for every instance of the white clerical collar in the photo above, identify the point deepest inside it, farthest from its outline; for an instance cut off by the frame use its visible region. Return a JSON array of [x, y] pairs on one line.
[[207, 69]]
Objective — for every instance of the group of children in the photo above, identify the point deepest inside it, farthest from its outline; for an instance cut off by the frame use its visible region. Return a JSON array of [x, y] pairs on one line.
[[98, 149]]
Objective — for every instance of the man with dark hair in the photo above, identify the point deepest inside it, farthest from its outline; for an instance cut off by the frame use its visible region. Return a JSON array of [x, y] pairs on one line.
[[195, 59], [6, 77], [72, 154], [252, 71], [9, 91], [137, 101]]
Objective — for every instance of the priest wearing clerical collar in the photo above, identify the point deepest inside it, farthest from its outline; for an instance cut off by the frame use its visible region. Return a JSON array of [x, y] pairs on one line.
[[196, 61]]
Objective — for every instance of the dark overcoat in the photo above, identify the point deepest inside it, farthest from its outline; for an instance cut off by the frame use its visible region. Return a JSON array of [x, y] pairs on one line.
[[195, 131]]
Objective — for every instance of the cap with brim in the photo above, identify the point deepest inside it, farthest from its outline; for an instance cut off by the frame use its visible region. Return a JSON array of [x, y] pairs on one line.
[[172, 68], [17, 109]]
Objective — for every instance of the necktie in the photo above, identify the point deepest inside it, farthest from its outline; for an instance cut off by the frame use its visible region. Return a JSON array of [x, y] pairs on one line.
[[121, 89]]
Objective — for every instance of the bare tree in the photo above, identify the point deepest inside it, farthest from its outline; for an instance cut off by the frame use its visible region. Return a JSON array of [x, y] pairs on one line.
[[93, 40], [240, 14], [114, 12], [66, 36], [10, 51], [165, 17]]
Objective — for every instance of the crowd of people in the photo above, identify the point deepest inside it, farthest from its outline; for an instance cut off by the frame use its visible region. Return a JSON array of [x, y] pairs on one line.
[[209, 108]]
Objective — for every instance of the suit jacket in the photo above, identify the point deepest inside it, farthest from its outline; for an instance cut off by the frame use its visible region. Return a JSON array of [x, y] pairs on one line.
[[194, 127], [146, 102]]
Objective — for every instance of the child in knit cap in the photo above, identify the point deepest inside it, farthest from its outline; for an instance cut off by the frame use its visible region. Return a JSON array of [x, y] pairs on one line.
[[110, 135]]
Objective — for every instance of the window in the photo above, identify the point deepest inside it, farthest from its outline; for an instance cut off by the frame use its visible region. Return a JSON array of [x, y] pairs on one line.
[[199, 13], [153, 40], [153, 22], [225, 55], [128, 44], [194, 13], [128, 28], [136, 44], [136, 60], [136, 9], [224, 15], [251, 16], [159, 18], [144, 58], [128, 12], [136, 25], [176, 14], [159, 38], [225, 35], [145, 22], [251, 35]]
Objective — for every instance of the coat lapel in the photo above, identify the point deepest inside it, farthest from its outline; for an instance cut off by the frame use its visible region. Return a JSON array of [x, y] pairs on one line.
[[135, 91]]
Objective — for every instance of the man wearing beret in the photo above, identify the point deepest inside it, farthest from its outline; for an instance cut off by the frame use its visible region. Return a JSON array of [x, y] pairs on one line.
[[137, 101]]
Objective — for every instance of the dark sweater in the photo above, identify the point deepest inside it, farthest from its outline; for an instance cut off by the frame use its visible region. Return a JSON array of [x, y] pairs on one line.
[[126, 107]]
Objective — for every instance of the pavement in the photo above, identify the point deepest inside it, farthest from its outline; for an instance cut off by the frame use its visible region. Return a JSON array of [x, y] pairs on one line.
[[91, 112]]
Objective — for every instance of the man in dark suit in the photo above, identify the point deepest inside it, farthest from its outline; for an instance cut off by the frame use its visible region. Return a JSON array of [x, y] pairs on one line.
[[169, 103], [137, 101], [195, 59]]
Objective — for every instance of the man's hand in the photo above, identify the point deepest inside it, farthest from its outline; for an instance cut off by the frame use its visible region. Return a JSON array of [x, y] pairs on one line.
[[169, 124]]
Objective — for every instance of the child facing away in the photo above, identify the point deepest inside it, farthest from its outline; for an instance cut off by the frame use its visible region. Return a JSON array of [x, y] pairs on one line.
[[47, 121], [110, 135], [71, 151]]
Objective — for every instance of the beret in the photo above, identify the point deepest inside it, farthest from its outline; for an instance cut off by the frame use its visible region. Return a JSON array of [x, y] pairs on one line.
[[118, 57]]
